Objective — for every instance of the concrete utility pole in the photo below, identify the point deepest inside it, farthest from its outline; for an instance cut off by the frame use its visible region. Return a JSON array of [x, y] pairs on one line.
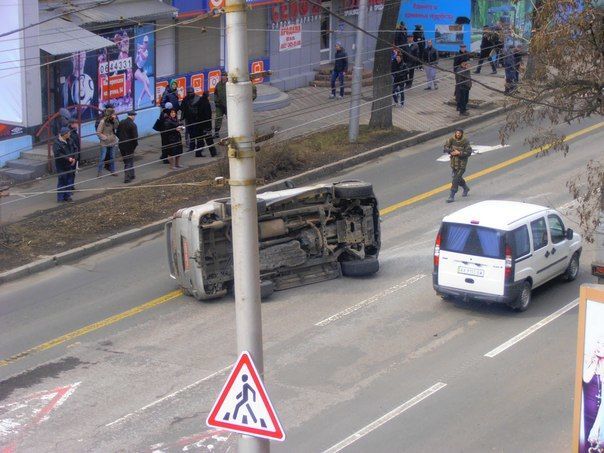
[[357, 76], [242, 166]]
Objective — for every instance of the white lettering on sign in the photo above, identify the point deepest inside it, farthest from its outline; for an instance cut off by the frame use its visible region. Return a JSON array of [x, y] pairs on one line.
[[290, 37], [115, 66]]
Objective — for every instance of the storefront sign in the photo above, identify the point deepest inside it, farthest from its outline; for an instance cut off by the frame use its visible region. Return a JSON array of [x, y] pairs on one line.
[[206, 79], [7, 130], [294, 11], [114, 86], [351, 7], [290, 37]]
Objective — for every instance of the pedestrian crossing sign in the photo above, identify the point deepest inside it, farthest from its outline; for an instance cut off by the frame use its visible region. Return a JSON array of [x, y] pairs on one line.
[[243, 405]]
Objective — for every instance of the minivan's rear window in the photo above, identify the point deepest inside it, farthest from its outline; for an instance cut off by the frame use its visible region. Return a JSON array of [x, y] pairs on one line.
[[472, 240]]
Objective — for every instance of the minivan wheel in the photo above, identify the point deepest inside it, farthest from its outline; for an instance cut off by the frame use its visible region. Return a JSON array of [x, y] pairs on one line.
[[353, 189], [524, 298], [572, 270]]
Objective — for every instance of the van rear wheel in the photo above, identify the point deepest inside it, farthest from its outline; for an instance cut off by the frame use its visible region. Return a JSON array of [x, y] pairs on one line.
[[524, 298]]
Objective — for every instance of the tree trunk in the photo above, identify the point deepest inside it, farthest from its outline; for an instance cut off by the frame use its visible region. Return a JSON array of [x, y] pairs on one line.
[[381, 109], [530, 61]]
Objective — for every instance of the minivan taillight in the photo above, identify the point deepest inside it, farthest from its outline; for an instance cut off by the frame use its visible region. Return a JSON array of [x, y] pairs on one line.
[[437, 251], [509, 271]]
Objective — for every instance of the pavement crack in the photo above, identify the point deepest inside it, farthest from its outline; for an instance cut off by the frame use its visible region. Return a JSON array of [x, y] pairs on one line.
[[176, 420]]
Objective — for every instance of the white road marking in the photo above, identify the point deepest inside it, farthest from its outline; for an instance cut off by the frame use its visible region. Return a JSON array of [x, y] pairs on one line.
[[369, 301], [534, 328], [167, 397], [476, 149], [386, 418]]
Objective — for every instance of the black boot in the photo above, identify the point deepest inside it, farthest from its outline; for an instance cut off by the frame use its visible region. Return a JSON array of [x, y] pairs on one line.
[[451, 198], [466, 190]]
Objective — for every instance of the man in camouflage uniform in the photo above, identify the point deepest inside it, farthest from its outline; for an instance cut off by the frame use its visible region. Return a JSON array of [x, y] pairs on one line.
[[459, 150]]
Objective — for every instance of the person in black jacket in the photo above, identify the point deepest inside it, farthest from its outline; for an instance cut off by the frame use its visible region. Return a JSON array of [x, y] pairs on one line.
[[399, 72], [419, 38], [127, 133], [65, 164], [400, 35], [411, 59], [205, 124], [158, 127], [462, 56], [170, 95], [339, 68], [172, 128], [191, 115], [430, 60], [486, 49]]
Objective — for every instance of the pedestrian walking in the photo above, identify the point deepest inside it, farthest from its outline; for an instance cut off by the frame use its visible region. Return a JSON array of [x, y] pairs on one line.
[[400, 35], [463, 82], [339, 69], [220, 102], [127, 133], [487, 49], [65, 164], [106, 132], [205, 124], [419, 38], [191, 116], [76, 147], [430, 60], [172, 128], [459, 149], [462, 56], [170, 95], [411, 57], [399, 72]]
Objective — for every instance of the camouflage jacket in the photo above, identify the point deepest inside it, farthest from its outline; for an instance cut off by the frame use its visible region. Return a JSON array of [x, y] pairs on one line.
[[462, 145]]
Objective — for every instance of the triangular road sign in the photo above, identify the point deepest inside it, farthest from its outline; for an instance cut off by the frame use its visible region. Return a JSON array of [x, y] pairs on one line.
[[243, 405]]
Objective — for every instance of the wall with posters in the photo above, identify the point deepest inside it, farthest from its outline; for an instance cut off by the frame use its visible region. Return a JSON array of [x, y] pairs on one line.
[[122, 76], [293, 67], [205, 79], [447, 23]]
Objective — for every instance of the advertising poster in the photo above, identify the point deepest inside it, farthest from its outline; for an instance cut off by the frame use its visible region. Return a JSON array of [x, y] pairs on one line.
[[290, 37], [116, 71], [79, 82], [588, 432], [144, 67], [447, 23]]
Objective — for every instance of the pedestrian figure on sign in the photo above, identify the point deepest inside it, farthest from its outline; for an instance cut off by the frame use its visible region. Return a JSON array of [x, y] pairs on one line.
[[339, 69], [244, 396], [430, 60], [459, 149], [398, 69], [463, 83]]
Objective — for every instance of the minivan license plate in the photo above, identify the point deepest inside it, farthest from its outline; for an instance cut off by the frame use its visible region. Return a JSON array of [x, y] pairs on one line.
[[469, 271]]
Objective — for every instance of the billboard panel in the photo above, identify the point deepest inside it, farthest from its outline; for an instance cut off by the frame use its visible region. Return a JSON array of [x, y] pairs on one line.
[[12, 69]]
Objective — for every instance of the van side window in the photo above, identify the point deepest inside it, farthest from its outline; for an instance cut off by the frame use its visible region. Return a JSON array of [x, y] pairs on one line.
[[539, 230], [556, 228], [520, 242]]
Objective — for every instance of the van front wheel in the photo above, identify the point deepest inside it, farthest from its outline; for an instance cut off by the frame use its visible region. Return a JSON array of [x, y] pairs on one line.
[[572, 270], [524, 298]]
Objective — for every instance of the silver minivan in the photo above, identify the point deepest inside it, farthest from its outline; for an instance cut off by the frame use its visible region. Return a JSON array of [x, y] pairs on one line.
[[498, 251], [306, 235]]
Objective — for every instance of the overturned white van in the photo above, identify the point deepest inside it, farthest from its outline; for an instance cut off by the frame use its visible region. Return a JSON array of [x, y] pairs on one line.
[[306, 235]]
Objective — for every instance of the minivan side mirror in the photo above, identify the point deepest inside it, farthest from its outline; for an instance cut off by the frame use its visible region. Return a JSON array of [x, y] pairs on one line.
[[569, 234]]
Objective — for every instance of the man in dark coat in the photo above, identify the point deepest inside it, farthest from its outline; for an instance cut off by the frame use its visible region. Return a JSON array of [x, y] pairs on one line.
[[339, 69], [171, 95], [400, 35], [486, 49], [462, 56], [127, 133], [65, 164], [398, 69], [411, 58], [463, 82], [419, 38], [205, 126], [459, 149], [191, 115]]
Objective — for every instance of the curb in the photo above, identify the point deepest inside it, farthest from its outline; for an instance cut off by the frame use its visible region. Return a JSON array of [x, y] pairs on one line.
[[326, 170]]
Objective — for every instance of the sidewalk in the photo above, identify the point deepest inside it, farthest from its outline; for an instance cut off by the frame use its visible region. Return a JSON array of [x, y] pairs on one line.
[[310, 111]]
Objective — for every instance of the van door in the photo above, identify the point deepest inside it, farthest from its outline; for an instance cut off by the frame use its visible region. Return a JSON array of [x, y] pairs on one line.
[[542, 257], [560, 249], [472, 258]]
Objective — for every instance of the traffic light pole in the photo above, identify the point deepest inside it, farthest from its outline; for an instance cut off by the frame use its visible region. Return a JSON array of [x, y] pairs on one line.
[[242, 181]]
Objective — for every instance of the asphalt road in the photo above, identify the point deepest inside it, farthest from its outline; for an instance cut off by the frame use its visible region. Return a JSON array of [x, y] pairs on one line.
[[381, 358]]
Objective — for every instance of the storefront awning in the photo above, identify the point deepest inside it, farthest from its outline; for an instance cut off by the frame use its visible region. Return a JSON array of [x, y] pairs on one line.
[[59, 37], [123, 10]]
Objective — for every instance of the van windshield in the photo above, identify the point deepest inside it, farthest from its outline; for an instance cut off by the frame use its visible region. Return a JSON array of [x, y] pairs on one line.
[[472, 240]]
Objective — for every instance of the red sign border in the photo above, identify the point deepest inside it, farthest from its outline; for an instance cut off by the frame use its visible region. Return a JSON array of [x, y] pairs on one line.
[[278, 434]]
